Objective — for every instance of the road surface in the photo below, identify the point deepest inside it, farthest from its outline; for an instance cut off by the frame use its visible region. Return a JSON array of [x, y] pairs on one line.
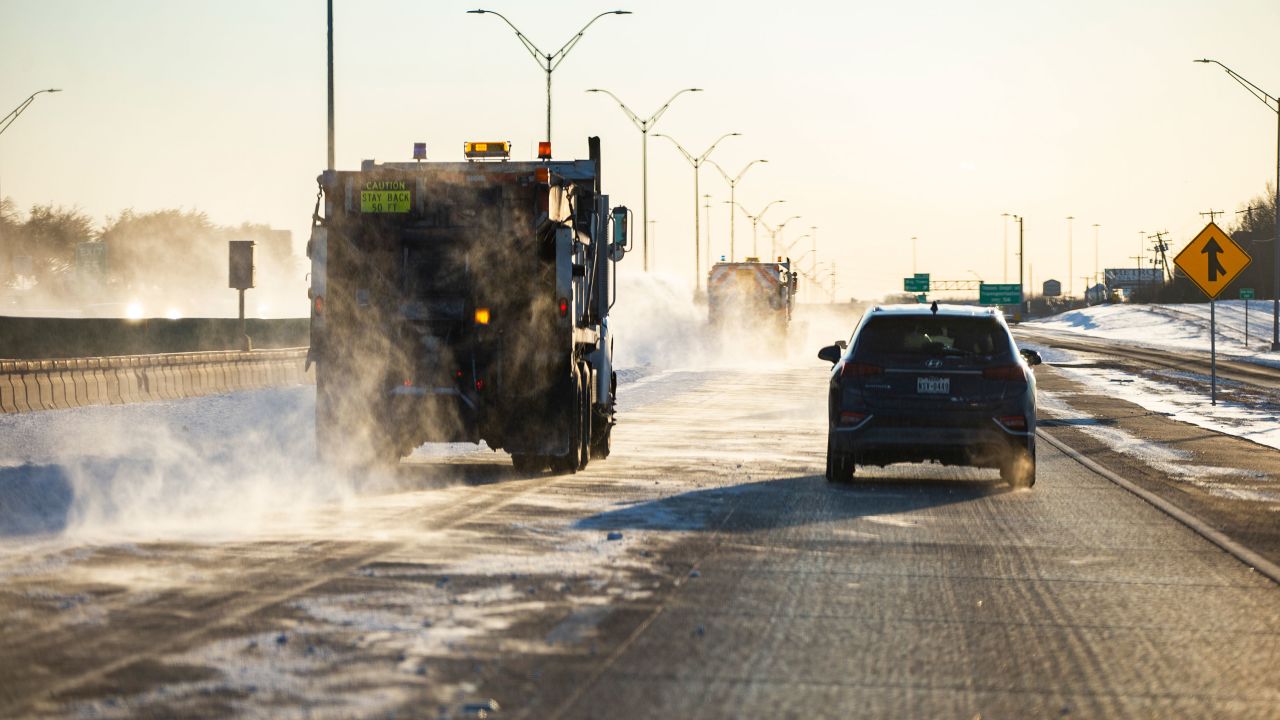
[[704, 570]]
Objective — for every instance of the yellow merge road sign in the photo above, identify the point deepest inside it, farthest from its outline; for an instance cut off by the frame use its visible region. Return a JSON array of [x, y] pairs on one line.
[[1212, 260]]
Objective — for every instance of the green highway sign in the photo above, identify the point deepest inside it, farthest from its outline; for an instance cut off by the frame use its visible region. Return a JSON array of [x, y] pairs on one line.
[[1247, 294], [916, 284], [921, 276], [922, 298], [1000, 294]]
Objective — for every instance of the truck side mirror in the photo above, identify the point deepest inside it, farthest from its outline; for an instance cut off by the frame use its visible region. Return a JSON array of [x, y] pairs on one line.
[[621, 238]]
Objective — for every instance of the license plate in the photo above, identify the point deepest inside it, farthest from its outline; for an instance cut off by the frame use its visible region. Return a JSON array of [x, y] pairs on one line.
[[933, 385]]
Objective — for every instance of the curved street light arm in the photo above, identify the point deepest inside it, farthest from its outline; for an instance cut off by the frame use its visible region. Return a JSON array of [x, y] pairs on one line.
[[766, 207], [692, 160], [748, 167], [707, 154], [528, 44], [658, 113], [22, 106], [631, 114], [723, 174], [1253, 89], [564, 50]]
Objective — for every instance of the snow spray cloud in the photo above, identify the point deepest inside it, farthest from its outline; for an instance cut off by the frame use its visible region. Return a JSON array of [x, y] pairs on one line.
[[219, 466], [657, 326]]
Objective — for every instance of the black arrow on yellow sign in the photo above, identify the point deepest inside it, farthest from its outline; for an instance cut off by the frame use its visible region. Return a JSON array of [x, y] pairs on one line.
[[1213, 249]]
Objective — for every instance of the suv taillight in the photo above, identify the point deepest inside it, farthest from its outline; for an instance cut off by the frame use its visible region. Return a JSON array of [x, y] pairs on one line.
[[1005, 373], [860, 370]]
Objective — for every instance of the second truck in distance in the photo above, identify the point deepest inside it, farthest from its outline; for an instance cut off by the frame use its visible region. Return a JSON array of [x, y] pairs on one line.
[[752, 299]]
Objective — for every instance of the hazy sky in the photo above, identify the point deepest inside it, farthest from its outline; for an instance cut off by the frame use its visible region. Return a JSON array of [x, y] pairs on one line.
[[881, 121]]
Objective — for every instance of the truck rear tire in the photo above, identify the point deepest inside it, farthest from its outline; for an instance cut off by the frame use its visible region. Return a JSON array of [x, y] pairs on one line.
[[602, 424], [572, 459]]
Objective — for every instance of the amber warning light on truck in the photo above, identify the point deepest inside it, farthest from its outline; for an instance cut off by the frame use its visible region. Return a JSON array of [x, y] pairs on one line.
[[486, 150]]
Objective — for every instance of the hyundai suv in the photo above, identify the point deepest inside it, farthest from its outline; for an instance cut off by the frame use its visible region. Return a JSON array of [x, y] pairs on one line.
[[942, 383]]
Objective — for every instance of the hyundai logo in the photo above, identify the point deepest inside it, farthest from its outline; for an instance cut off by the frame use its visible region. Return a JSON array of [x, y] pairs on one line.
[[933, 363]]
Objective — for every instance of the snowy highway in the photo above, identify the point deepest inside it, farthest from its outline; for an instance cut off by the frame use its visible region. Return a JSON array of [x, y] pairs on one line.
[[187, 559]]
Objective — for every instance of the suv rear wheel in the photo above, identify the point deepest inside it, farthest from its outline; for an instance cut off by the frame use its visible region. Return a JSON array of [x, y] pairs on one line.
[[839, 465]]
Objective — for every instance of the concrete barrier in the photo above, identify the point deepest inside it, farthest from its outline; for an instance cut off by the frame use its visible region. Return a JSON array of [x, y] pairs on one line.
[[33, 385]]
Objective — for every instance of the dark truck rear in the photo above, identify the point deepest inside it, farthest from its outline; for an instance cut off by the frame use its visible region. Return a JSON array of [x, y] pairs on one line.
[[465, 301]]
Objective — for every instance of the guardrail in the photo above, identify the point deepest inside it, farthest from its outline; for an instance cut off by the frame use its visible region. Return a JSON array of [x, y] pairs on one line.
[[32, 385]]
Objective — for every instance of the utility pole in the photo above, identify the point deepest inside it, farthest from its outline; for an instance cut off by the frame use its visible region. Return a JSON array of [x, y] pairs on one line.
[[1142, 252], [1213, 214], [1161, 247]]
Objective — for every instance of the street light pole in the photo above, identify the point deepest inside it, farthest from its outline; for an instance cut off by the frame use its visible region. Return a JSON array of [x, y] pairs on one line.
[[707, 207], [1275, 247], [1070, 267], [330, 163], [1021, 286], [696, 162], [548, 61], [813, 238], [644, 125], [733, 185], [1095, 251], [913, 254], [1005, 257]]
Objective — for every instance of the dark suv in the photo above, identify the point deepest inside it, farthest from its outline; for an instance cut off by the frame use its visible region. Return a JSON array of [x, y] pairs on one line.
[[944, 383]]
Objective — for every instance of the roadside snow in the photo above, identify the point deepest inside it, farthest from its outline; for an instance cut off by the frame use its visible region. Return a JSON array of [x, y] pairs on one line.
[[1175, 327]]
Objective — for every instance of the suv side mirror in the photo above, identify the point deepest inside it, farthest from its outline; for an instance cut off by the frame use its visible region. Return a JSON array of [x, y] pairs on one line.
[[831, 353], [1031, 356]]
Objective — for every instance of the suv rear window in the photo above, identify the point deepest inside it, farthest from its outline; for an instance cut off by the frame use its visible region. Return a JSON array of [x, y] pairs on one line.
[[933, 335]]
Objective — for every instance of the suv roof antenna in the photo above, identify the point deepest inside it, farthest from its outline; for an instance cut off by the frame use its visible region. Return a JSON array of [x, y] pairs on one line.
[[934, 307]]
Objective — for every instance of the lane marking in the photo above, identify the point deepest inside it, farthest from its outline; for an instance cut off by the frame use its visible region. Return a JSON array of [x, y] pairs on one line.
[[1255, 561]]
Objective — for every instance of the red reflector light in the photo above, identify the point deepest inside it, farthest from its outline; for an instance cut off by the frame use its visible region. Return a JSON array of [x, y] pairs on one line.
[[1013, 422], [544, 151], [542, 175], [479, 384], [458, 374], [318, 304], [860, 370], [408, 383], [564, 307], [1005, 373], [852, 418]]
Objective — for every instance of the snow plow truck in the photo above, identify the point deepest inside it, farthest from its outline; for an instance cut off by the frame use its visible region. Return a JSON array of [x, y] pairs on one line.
[[465, 301], [752, 298]]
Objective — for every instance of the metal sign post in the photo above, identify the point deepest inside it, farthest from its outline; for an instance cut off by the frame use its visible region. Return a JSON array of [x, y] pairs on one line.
[[1211, 261], [1213, 352], [1246, 294]]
